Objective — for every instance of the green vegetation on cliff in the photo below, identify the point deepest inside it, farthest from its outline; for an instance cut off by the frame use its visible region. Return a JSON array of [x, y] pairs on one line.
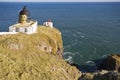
[[34, 57]]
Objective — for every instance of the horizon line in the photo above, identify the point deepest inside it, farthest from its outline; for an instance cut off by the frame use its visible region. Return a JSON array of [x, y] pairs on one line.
[[59, 1]]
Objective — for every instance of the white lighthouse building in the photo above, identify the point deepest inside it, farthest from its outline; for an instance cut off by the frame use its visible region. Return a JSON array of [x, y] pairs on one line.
[[49, 23], [24, 25]]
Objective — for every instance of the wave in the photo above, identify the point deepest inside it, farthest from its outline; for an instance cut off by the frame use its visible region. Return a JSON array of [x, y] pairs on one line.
[[90, 62], [67, 53], [71, 53], [69, 59], [79, 34], [68, 56], [105, 55], [73, 43]]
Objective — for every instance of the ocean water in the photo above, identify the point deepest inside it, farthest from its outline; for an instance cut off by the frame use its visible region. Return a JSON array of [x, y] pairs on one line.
[[90, 30]]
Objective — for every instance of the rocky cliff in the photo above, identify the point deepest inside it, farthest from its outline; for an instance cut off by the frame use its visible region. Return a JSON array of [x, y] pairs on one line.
[[34, 57], [109, 69]]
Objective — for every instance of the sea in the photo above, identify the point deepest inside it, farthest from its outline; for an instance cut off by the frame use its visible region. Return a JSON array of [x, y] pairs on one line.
[[90, 30]]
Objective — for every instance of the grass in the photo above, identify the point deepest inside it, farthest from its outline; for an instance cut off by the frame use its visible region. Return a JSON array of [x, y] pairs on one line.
[[33, 57]]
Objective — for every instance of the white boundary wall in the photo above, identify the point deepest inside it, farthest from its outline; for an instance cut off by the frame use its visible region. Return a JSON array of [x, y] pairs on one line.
[[4, 33]]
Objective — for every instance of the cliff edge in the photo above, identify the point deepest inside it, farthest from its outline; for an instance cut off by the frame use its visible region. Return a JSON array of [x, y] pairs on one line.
[[34, 57]]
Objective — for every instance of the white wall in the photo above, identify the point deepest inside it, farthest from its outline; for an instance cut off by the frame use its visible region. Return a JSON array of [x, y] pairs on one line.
[[49, 24], [30, 30], [4, 33], [11, 29]]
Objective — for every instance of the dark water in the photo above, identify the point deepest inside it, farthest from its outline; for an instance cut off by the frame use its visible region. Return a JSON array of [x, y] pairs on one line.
[[90, 30]]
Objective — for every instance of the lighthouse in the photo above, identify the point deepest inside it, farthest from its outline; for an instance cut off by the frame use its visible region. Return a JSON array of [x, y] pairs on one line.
[[24, 24], [49, 23]]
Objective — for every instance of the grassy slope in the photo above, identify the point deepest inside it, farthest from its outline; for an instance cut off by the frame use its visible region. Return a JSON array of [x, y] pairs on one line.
[[22, 57]]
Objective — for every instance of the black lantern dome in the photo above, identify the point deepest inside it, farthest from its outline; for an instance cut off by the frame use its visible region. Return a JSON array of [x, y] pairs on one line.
[[24, 11]]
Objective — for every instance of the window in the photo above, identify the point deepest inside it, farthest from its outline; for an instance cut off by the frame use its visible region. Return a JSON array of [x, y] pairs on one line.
[[17, 30], [25, 29]]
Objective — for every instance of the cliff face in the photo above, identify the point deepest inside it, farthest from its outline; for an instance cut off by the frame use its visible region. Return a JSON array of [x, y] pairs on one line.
[[34, 57]]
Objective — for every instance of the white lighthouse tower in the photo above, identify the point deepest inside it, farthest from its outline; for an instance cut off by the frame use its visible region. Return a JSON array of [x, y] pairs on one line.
[[24, 25]]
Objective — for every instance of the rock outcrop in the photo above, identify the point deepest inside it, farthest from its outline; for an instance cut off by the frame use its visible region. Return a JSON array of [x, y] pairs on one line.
[[111, 63], [109, 70], [34, 57], [102, 75]]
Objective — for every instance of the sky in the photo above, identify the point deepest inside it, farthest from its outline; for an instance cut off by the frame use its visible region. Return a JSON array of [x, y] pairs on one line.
[[59, 0]]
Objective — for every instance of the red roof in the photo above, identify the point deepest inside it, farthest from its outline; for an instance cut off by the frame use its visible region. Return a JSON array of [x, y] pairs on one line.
[[49, 20]]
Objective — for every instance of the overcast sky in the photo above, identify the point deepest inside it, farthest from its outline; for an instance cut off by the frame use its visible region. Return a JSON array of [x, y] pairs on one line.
[[59, 0]]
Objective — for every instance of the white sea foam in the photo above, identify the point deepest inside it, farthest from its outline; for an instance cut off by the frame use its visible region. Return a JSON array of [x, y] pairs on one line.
[[82, 36], [67, 53], [79, 34], [90, 62], [69, 59], [73, 43], [69, 56], [75, 35], [104, 56]]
